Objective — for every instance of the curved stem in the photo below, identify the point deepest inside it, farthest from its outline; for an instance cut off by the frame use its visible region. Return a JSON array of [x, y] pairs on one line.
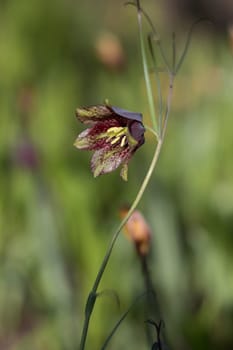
[[187, 43], [160, 138], [92, 296], [132, 208], [148, 128]]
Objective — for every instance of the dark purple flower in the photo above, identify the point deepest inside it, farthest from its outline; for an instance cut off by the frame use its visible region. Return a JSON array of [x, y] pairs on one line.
[[115, 134]]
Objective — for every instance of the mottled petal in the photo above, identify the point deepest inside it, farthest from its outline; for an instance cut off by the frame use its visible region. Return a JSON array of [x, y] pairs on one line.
[[124, 172], [96, 137], [104, 161], [83, 141], [93, 113], [101, 112]]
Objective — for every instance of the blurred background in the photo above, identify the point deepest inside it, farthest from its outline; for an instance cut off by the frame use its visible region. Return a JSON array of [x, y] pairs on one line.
[[56, 220]]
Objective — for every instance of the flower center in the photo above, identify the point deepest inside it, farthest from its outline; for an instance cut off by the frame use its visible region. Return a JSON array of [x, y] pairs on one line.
[[119, 134], [115, 134]]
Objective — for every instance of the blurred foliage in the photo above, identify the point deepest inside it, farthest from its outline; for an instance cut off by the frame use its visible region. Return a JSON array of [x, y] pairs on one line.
[[56, 220]]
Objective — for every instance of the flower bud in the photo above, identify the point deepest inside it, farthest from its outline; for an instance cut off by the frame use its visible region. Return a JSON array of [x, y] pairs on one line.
[[138, 231]]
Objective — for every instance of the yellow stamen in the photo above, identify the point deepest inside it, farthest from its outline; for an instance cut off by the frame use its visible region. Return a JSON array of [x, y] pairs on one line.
[[123, 141], [114, 129], [115, 140], [109, 138], [116, 133]]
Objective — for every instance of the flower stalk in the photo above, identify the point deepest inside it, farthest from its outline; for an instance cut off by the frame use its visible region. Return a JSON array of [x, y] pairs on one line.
[[93, 294], [160, 135]]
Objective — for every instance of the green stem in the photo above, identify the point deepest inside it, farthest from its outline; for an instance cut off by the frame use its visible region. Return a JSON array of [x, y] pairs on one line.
[[158, 84], [148, 128], [168, 106], [92, 296], [146, 72], [84, 331], [173, 51]]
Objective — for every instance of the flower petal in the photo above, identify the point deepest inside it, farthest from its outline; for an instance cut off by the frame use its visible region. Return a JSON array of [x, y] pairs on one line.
[[105, 161], [137, 131], [95, 137], [124, 172], [127, 114], [102, 112], [93, 113], [83, 141]]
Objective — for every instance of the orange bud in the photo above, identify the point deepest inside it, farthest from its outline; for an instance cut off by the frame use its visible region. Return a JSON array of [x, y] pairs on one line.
[[138, 231], [109, 51], [230, 31]]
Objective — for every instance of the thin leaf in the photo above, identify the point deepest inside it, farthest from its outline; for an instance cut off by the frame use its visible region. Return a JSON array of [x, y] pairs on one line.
[[104, 346], [188, 40]]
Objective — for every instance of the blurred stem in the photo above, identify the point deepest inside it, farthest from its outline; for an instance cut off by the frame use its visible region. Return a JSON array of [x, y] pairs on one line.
[[154, 31], [115, 328], [157, 81], [146, 70], [151, 300], [187, 43], [148, 128], [168, 106], [173, 51]]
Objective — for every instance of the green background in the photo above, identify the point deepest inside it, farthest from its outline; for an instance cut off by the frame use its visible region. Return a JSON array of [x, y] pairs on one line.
[[56, 220]]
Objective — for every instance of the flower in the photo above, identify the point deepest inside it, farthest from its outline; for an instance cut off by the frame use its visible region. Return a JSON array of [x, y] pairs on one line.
[[115, 134], [137, 230]]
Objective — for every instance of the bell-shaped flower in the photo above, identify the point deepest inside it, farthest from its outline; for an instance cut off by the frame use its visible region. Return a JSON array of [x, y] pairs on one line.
[[114, 135]]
